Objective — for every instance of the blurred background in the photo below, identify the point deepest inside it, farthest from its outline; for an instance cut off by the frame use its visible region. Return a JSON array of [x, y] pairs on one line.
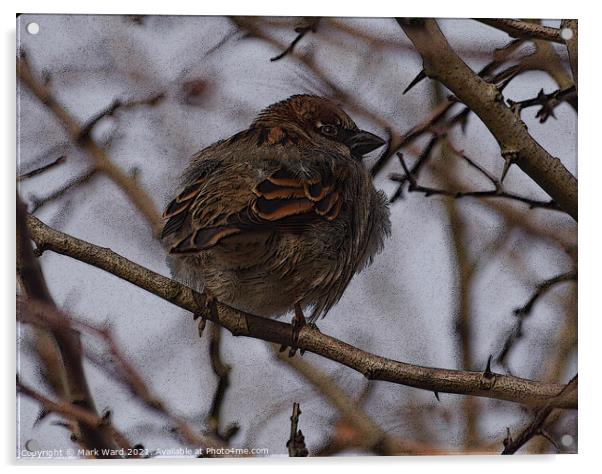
[[450, 289]]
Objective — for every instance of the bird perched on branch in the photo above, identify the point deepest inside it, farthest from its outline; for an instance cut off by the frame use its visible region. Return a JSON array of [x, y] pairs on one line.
[[279, 216]]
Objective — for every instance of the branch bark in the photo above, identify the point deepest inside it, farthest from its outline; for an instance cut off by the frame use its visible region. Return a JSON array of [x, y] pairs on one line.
[[440, 62], [490, 385], [523, 29], [571, 45]]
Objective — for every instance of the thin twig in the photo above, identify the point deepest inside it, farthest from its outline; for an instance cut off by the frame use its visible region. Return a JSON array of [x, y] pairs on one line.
[[296, 442], [494, 193], [38, 202], [61, 159], [420, 162], [116, 106], [77, 414], [524, 311], [369, 435], [222, 372], [547, 102], [302, 31]]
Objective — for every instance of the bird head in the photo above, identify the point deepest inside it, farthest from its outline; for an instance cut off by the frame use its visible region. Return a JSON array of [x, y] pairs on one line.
[[321, 121]]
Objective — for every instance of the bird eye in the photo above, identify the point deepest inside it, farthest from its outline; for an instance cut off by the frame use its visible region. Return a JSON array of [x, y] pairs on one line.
[[329, 130]]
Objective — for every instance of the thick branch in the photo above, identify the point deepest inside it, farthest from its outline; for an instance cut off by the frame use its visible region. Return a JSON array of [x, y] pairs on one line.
[[440, 62], [523, 29], [571, 44], [496, 386]]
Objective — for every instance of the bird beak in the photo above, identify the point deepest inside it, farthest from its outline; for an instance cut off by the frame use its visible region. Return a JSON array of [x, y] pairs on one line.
[[363, 142]]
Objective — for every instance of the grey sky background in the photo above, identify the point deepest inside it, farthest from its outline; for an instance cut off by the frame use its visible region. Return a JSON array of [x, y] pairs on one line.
[[401, 307]]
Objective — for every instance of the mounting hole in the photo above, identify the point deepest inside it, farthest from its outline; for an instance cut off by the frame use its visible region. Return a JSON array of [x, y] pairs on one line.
[[566, 34], [567, 440], [33, 28]]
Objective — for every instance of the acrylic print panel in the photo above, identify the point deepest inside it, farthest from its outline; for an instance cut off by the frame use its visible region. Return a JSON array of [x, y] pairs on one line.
[[413, 181]]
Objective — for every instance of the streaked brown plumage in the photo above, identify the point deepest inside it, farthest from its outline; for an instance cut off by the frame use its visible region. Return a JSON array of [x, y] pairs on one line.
[[281, 214]]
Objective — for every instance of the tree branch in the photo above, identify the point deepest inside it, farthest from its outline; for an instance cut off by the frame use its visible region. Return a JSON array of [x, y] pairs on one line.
[[440, 62], [536, 425], [222, 372], [42, 169], [498, 192], [524, 311], [122, 370], [80, 135], [571, 45], [311, 26], [296, 442], [523, 29], [370, 436], [489, 385], [68, 344], [547, 102], [79, 415]]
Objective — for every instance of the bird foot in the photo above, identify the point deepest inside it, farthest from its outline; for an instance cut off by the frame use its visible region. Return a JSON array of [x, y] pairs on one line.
[[298, 322], [208, 309]]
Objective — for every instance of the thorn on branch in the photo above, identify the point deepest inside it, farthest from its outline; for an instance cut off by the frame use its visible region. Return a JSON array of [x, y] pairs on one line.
[[296, 443], [63, 424], [419, 77], [488, 373], [488, 379], [509, 159], [38, 251], [43, 413]]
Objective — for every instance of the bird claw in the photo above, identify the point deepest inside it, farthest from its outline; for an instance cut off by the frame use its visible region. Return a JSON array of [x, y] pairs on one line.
[[298, 322], [208, 307]]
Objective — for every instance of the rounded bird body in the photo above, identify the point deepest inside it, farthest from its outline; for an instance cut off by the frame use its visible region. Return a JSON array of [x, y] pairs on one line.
[[280, 215]]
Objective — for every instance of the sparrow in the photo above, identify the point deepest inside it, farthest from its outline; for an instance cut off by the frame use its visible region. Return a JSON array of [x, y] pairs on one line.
[[279, 216]]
